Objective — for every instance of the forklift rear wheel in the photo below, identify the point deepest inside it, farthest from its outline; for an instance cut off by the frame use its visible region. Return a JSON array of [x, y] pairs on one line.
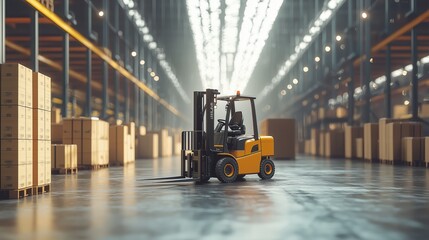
[[226, 170], [267, 169]]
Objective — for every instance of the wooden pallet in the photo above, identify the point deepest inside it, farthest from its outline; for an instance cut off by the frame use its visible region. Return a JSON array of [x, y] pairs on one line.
[[41, 189], [64, 170], [92, 167], [16, 194]]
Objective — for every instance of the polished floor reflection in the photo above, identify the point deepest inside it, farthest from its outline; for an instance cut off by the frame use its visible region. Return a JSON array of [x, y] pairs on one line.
[[308, 199]]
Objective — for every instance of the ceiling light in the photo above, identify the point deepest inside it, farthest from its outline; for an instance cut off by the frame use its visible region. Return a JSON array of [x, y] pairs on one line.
[[338, 38], [404, 73], [289, 86], [152, 74], [133, 53], [156, 78], [100, 13], [371, 60], [327, 49], [364, 15], [317, 59], [142, 62], [305, 69], [406, 102], [283, 92], [295, 81]]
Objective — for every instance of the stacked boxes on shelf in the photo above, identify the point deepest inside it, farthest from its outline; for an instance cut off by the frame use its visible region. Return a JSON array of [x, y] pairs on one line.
[[64, 158], [16, 132], [122, 144], [413, 150], [92, 139], [382, 146], [314, 141], [283, 131], [41, 129]]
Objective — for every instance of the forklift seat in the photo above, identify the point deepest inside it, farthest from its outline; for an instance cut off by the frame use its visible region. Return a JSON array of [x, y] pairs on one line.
[[236, 125]]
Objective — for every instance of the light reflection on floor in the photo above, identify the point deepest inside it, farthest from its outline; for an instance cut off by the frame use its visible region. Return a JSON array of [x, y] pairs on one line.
[[308, 199]]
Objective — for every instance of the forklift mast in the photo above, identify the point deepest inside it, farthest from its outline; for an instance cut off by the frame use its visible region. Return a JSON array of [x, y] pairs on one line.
[[206, 108]]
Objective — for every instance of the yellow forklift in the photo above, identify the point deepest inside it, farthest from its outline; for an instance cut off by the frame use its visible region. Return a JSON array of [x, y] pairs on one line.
[[224, 151]]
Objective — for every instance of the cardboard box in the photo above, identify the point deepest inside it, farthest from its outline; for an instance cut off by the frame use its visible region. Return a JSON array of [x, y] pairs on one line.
[[48, 174], [57, 133], [321, 150], [148, 146], [56, 115], [13, 152], [77, 129], [29, 174], [88, 128], [399, 111], [48, 98], [394, 134], [29, 151], [48, 152], [359, 148], [382, 123], [39, 159], [13, 177], [284, 133], [47, 125], [13, 120], [62, 156], [67, 129], [142, 131], [413, 149], [38, 91], [334, 144], [350, 136], [38, 124], [426, 149], [29, 123], [314, 141], [29, 88], [370, 140], [13, 84]]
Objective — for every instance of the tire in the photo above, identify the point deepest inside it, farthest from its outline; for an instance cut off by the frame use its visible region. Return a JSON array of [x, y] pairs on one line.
[[267, 169], [226, 170]]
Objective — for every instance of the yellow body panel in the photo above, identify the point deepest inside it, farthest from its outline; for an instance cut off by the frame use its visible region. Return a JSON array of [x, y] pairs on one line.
[[267, 146], [249, 164]]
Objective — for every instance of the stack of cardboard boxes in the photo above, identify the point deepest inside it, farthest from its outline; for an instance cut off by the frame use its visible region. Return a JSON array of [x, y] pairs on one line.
[[148, 145], [16, 127], [350, 136], [122, 144], [334, 143], [283, 131], [370, 141], [64, 158], [165, 144], [92, 139], [41, 129], [395, 132]]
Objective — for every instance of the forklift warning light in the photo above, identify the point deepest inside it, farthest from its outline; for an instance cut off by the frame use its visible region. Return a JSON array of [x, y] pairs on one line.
[[238, 93]]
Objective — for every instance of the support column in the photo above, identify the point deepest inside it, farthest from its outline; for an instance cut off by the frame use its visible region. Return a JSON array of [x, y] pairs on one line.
[[66, 65], [104, 66], [367, 67], [351, 83], [35, 40], [387, 89], [116, 76], [88, 105], [126, 81], [414, 77], [2, 31]]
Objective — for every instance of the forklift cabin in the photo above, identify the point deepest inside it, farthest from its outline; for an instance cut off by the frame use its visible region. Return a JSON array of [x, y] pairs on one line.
[[224, 151]]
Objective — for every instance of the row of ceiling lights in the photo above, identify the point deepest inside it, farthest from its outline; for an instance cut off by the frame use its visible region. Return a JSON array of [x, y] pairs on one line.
[[134, 14], [230, 49]]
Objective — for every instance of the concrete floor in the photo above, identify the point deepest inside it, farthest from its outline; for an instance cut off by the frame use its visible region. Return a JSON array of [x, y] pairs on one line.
[[307, 199]]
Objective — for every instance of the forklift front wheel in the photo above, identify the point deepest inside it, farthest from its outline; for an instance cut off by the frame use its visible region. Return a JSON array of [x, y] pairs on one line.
[[226, 170], [267, 169]]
